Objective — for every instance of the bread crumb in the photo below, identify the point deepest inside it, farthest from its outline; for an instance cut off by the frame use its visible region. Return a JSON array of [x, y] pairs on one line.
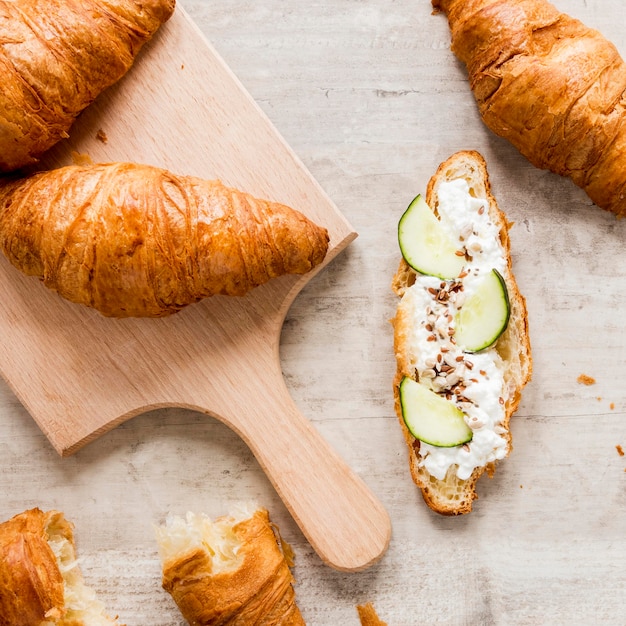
[[584, 379], [81, 159], [619, 449], [612, 405], [368, 616], [101, 136]]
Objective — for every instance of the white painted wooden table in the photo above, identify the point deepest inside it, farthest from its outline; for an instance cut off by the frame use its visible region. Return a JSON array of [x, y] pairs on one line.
[[369, 96]]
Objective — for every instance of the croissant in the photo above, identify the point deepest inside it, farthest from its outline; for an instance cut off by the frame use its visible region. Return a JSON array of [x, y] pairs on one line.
[[227, 572], [56, 56], [551, 86], [133, 240], [40, 580]]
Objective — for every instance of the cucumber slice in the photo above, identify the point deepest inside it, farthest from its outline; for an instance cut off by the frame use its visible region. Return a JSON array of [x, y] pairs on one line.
[[484, 316], [424, 243], [430, 417]]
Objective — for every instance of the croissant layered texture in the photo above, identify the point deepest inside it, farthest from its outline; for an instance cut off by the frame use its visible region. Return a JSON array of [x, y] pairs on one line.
[[234, 571], [40, 579], [551, 86], [133, 240], [56, 56]]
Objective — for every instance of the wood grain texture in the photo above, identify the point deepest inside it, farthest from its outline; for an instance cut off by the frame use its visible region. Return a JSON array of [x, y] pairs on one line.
[[371, 99]]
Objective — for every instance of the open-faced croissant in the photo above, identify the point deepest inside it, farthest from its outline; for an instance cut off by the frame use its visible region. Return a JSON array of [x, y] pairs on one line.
[[40, 579], [56, 56], [232, 571], [134, 240], [551, 86]]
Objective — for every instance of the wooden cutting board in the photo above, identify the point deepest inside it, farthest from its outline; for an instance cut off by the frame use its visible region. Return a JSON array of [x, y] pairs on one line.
[[80, 374]]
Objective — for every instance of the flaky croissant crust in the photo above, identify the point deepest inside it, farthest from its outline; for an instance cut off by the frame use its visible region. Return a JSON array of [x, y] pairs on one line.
[[31, 585], [135, 240], [550, 85], [258, 592], [56, 56]]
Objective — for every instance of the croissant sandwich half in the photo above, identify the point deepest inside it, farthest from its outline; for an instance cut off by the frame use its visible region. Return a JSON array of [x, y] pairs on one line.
[[56, 56], [40, 580], [550, 85], [133, 240], [461, 334], [231, 571]]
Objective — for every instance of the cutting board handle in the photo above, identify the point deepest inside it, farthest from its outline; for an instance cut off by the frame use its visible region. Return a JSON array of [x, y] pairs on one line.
[[345, 524]]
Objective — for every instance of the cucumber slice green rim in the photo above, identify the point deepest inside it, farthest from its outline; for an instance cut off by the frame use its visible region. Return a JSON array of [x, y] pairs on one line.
[[484, 316], [425, 244], [430, 417]]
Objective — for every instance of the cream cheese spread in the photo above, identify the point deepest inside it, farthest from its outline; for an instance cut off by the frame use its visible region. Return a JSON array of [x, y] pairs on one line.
[[474, 382]]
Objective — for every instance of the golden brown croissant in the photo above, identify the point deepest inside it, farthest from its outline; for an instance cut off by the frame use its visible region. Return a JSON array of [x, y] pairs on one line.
[[56, 56], [551, 86], [40, 581], [135, 240], [231, 571]]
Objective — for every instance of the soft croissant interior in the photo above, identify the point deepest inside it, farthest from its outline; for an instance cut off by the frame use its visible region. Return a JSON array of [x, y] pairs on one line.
[[83, 607], [182, 535]]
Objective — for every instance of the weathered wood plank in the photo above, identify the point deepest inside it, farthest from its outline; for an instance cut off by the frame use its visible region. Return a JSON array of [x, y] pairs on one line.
[[370, 98]]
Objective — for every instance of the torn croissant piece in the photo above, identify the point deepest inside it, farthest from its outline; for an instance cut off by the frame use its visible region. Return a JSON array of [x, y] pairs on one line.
[[40, 581], [56, 57], [133, 240], [550, 85], [234, 570]]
